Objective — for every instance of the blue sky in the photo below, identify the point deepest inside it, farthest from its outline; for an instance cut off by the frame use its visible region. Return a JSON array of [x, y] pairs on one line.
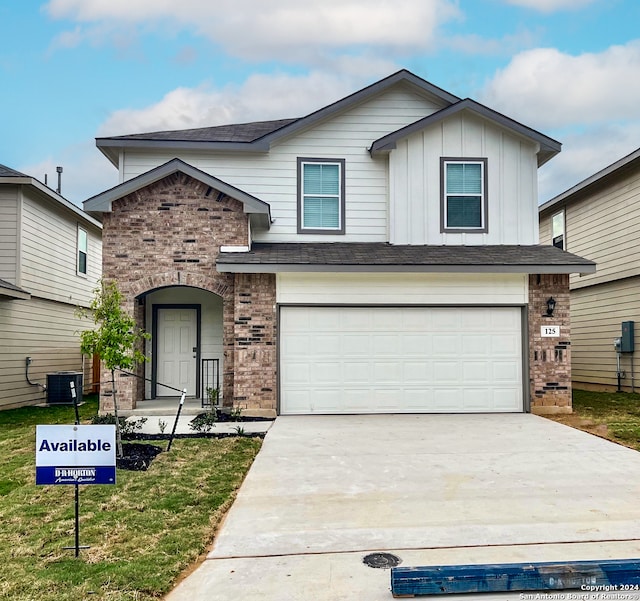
[[76, 69]]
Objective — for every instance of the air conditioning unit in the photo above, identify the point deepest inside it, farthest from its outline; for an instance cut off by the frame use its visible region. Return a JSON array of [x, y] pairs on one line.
[[59, 387]]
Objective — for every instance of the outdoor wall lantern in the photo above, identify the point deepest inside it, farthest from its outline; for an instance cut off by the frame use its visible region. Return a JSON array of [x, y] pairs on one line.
[[551, 306]]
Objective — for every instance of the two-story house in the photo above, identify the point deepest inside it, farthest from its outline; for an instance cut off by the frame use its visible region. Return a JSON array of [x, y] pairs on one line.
[[379, 255], [598, 218], [50, 262]]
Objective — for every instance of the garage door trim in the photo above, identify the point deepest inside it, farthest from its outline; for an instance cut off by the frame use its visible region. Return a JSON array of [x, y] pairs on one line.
[[526, 398]]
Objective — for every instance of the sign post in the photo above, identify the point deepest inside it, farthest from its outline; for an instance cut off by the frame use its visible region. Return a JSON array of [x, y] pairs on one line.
[[76, 454]]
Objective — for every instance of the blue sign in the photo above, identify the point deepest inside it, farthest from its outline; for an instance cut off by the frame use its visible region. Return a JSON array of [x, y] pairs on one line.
[[76, 454]]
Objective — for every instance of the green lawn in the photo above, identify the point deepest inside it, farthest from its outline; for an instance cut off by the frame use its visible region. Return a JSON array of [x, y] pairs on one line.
[[618, 414], [143, 532], [611, 415]]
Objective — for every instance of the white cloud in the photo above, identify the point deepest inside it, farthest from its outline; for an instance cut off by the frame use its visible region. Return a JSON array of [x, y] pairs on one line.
[[548, 6], [260, 97], [86, 171], [286, 29], [584, 154], [547, 88]]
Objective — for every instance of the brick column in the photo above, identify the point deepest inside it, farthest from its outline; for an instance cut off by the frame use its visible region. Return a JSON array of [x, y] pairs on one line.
[[255, 343], [549, 358]]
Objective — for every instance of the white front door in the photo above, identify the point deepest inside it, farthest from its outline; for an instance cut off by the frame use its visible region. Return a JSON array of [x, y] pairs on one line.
[[176, 348]]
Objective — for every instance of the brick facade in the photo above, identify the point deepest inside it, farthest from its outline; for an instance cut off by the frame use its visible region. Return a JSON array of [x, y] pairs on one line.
[[549, 358], [169, 234]]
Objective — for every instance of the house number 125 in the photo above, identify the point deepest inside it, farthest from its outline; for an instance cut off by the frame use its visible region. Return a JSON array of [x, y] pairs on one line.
[[550, 331]]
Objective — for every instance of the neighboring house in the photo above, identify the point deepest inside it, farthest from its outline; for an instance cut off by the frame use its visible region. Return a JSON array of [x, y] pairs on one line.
[[379, 255], [599, 219], [50, 262]]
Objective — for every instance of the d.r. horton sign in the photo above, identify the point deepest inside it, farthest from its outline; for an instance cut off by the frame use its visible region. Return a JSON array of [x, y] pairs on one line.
[[76, 454]]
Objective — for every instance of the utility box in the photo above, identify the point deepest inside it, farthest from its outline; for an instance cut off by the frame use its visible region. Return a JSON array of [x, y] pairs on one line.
[[626, 340]]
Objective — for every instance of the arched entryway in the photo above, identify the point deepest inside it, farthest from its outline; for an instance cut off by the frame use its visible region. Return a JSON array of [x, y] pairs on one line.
[[186, 347]]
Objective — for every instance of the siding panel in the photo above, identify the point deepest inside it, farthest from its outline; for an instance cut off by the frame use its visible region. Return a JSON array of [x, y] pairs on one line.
[[401, 289], [49, 254], [44, 331], [8, 233], [511, 175], [603, 227], [272, 177], [596, 316]]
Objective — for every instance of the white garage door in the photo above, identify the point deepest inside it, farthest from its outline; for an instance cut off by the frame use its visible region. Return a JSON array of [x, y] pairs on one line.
[[400, 359]]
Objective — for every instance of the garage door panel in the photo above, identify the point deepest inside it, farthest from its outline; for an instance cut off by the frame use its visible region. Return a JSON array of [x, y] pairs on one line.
[[417, 373], [476, 371], [475, 399], [400, 359], [505, 371]]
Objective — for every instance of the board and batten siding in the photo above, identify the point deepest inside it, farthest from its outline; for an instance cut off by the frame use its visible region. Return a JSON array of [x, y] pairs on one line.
[[597, 313], [415, 187], [401, 289], [272, 176], [49, 254], [44, 331], [9, 223]]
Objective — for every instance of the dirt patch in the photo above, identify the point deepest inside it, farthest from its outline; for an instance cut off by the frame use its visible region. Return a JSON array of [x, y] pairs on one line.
[[585, 424]]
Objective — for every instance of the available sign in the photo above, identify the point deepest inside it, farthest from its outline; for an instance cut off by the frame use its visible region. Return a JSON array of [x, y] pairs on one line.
[[76, 454]]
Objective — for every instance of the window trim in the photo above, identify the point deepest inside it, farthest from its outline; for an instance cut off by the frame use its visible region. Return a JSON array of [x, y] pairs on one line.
[[85, 251], [341, 211], [484, 201], [564, 229]]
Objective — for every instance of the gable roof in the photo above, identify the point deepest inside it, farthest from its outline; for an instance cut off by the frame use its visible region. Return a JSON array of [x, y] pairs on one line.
[[16, 178], [103, 202], [548, 147], [384, 257], [627, 163], [241, 132], [244, 137]]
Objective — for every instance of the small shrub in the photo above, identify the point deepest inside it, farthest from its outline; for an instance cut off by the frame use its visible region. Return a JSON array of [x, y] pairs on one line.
[[213, 394], [162, 426], [239, 430], [126, 426], [204, 422], [235, 414]]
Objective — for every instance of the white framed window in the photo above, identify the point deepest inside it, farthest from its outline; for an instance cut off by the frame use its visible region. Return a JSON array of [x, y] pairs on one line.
[[557, 230], [321, 184], [463, 195], [81, 266]]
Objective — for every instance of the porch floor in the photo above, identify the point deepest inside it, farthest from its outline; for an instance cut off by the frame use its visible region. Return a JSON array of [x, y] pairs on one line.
[[167, 405]]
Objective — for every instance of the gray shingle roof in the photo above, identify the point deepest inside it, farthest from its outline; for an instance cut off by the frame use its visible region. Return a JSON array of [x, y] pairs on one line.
[[12, 291], [513, 258], [6, 172], [240, 132]]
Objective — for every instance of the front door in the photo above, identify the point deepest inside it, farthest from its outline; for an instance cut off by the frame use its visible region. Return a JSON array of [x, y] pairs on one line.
[[177, 331]]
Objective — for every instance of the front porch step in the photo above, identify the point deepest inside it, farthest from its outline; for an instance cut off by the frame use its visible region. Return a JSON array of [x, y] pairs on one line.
[[165, 406]]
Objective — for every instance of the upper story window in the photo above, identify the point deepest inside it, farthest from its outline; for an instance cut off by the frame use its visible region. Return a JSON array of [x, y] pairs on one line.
[[557, 230], [463, 195], [321, 196], [82, 252]]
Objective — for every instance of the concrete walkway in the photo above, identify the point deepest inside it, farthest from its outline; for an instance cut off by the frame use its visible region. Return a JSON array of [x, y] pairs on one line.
[[325, 491]]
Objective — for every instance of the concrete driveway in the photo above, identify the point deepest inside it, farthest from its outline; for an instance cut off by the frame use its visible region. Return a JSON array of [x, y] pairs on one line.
[[325, 491]]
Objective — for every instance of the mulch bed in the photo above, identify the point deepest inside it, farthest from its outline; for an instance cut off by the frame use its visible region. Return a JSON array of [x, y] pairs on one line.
[[137, 457]]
